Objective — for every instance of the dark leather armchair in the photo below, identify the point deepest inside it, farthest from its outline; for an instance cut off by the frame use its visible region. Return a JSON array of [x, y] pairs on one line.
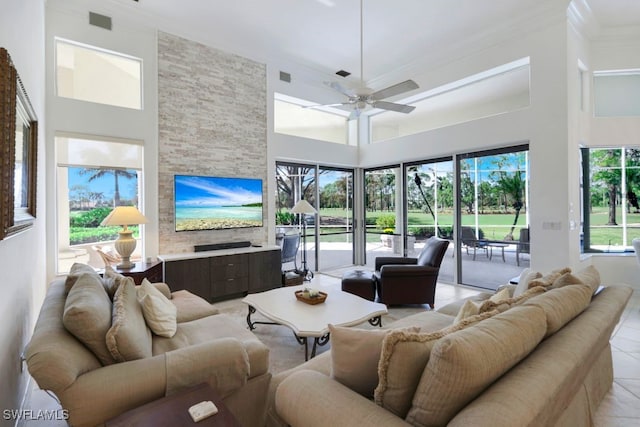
[[410, 280]]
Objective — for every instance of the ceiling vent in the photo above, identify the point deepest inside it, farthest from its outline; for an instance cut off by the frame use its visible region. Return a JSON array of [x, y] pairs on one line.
[[285, 77], [101, 21], [343, 73]]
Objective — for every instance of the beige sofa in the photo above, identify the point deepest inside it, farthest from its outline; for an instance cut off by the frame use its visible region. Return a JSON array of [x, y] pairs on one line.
[[207, 346], [540, 359]]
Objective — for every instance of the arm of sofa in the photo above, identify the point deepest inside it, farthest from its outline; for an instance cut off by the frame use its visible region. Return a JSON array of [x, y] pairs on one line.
[[311, 399], [223, 363]]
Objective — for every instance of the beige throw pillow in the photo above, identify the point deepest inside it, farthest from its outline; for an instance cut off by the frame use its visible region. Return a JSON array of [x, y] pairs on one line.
[[128, 338], [77, 270], [463, 364], [112, 280], [159, 313], [87, 315], [403, 358], [526, 276], [354, 357], [468, 309]]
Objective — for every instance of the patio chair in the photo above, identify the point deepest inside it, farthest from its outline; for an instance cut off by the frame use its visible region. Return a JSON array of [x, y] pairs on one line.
[[469, 240], [410, 280], [522, 246], [290, 245]]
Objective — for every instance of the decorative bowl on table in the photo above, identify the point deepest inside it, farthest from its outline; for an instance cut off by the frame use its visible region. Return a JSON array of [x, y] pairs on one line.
[[311, 296]]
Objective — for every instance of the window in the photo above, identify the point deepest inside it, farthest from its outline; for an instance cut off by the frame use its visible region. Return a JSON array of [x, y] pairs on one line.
[[496, 91], [617, 93], [93, 176], [87, 73], [292, 116], [611, 183]]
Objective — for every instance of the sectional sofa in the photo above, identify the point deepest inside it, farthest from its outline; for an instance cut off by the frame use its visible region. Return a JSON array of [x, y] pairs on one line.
[[533, 355]]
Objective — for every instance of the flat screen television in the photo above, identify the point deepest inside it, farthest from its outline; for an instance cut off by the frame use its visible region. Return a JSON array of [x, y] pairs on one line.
[[217, 203]]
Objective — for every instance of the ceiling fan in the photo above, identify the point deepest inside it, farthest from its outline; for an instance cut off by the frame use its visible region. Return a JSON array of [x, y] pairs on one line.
[[363, 96]]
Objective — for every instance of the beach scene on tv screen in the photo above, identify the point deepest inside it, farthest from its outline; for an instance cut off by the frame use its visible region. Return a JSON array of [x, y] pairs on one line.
[[210, 203]]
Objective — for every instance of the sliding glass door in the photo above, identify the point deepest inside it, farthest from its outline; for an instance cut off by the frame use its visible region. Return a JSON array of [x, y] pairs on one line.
[[326, 236]]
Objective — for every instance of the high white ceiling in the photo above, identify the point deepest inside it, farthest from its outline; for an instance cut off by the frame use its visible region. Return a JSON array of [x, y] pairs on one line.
[[324, 35]]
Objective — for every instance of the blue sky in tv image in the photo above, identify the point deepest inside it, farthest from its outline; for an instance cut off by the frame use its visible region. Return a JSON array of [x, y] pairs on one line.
[[208, 202]]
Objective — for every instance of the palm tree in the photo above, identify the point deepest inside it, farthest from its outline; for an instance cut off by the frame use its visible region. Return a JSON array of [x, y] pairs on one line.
[[512, 187], [117, 173]]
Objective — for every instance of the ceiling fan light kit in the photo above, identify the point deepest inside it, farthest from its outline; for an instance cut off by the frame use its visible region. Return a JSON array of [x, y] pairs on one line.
[[364, 97]]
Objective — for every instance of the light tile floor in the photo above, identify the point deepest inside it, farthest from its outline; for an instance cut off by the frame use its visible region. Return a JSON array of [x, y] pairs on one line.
[[620, 407]]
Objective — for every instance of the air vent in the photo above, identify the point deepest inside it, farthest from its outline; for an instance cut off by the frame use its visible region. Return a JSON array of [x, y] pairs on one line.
[[101, 21], [285, 77], [343, 73]]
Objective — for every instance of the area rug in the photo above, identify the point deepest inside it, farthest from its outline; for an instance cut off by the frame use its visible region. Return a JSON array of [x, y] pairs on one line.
[[285, 352]]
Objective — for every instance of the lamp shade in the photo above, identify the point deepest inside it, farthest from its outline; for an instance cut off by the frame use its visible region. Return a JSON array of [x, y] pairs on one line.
[[124, 215], [303, 207]]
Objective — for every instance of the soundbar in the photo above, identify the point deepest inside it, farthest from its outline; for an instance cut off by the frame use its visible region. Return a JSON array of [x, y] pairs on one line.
[[218, 246]]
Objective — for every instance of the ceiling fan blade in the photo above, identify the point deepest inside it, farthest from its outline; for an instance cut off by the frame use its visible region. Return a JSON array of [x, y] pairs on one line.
[[343, 90], [339, 104], [392, 106], [397, 89]]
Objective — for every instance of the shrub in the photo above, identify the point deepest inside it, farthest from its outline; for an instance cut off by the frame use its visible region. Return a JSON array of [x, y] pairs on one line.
[[386, 221], [285, 218], [92, 218]]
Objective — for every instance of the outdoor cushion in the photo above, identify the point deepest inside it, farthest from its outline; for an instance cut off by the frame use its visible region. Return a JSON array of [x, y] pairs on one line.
[[87, 315], [129, 338], [463, 364]]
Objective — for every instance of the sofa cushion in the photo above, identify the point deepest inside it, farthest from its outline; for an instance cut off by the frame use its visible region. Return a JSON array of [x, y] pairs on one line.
[[548, 279], [463, 364], [211, 328], [468, 309], [561, 305], [505, 304], [354, 357], [87, 315], [112, 280], [129, 338], [191, 307], [158, 311], [77, 270], [588, 275], [403, 358], [427, 321]]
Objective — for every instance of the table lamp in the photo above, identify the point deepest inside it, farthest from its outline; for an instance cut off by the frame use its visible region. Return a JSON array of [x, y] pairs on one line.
[[125, 243], [302, 208]]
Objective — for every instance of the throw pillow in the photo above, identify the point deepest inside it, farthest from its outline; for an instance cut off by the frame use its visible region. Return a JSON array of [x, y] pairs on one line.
[[77, 270], [468, 309], [112, 280], [548, 279], [159, 313], [590, 276], [403, 358], [463, 364], [526, 276], [354, 357], [87, 315], [128, 338]]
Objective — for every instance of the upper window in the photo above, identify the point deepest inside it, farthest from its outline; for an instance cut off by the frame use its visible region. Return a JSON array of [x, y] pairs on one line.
[[293, 116], [616, 93], [88, 73], [496, 91]]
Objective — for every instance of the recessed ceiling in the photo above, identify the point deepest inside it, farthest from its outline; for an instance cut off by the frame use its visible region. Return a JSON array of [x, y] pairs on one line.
[[324, 35]]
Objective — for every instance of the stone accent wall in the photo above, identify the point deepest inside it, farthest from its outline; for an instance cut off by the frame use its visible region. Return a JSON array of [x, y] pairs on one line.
[[212, 118]]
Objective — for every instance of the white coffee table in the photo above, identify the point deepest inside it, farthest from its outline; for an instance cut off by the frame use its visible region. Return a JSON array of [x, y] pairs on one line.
[[312, 321]]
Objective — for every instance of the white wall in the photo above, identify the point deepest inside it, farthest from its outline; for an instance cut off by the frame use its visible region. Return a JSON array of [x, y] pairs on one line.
[[22, 257], [69, 19]]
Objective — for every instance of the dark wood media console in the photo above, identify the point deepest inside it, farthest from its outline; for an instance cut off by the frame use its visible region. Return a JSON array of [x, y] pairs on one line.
[[226, 273]]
